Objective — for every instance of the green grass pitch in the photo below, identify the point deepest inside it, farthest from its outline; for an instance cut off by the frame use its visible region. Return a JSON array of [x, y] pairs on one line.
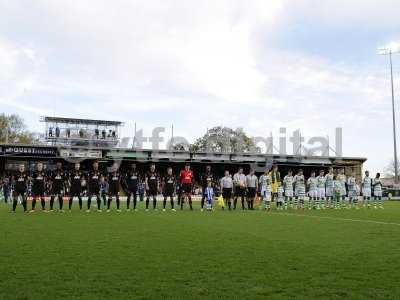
[[327, 254]]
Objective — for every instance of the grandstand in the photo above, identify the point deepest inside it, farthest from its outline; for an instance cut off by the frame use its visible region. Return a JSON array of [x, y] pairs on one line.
[[72, 131], [12, 155], [72, 140]]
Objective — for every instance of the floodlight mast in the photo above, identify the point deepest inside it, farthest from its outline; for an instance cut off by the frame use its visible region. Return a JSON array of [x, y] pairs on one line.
[[389, 50]]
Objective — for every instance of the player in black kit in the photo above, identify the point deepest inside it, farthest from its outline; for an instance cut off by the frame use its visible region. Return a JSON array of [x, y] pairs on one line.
[[132, 180], [152, 186], [58, 186], [94, 186], [169, 188], [75, 180], [113, 190], [38, 187], [20, 187]]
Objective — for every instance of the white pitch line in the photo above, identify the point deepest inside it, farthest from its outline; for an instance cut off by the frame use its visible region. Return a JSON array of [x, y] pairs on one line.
[[340, 219]]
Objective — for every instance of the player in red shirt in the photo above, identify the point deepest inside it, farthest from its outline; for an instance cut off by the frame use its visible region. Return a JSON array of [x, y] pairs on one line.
[[186, 178]]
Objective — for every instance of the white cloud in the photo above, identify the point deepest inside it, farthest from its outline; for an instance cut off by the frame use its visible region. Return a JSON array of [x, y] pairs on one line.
[[370, 14], [194, 63]]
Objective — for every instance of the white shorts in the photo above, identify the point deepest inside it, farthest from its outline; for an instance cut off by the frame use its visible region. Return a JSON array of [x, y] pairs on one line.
[[352, 193], [289, 193], [321, 192], [366, 192], [313, 193], [378, 193], [300, 193], [343, 192], [329, 191], [266, 195]]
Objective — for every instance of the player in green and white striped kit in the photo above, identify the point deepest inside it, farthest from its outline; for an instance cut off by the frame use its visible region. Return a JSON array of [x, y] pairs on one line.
[[299, 189], [352, 191], [312, 184], [377, 184], [366, 189], [288, 187], [342, 178], [329, 188], [321, 190], [281, 200], [265, 189], [337, 191]]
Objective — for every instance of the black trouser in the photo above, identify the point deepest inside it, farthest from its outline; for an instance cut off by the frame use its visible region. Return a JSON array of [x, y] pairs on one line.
[[116, 195], [60, 199], [42, 201], [89, 201], [132, 193], [153, 194], [238, 193], [171, 196], [15, 199], [73, 194]]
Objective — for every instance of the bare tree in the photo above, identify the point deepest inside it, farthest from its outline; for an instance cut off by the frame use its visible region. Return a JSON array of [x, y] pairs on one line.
[[13, 130], [389, 170]]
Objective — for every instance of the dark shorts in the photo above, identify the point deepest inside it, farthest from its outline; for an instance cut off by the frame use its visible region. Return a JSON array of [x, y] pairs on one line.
[[19, 193], [38, 192], [168, 193], [132, 190], [226, 193], [239, 192], [75, 192], [187, 188], [93, 193], [251, 192], [152, 192], [94, 190], [56, 191], [113, 191]]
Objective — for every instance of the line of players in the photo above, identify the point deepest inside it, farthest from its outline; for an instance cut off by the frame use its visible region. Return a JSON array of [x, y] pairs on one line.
[[323, 191], [102, 187]]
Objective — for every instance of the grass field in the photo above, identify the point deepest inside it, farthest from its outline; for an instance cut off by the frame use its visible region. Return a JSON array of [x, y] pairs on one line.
[[332, 254]]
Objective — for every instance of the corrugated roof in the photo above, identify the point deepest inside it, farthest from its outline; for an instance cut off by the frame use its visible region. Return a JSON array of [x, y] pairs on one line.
[[81, 121]]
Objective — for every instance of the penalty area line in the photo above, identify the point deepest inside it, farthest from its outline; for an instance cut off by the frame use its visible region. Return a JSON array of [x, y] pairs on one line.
[[339, 219]]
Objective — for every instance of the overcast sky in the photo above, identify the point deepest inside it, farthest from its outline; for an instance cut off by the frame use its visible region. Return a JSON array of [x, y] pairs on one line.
[[260, 65]]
